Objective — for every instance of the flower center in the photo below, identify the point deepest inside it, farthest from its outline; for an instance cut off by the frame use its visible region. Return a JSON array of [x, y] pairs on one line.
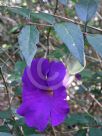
[[50, 91]]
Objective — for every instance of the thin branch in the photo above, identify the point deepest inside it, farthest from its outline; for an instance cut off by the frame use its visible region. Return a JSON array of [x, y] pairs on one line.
[[99, 104], [7, 91], [54, 131], [76, 22], [32, 23], [49, 30], [62, 18]]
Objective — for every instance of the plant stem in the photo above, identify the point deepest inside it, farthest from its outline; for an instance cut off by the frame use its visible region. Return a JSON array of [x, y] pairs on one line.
[[49, 30]]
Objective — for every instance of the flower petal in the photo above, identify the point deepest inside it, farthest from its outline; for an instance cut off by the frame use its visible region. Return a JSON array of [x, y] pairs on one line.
[[36, 108], [56, 74], [39, 69], [60, 107]]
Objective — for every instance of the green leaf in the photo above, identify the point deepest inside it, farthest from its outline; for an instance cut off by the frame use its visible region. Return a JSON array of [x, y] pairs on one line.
[[19, 66], [95, 132], [72, 36], [79, 119], [74, 66], [64, 2], [21, 11], [18, 91], [95, 40], [28, 38], [5, 134], [27, 13], [81, 132], [44, 16], [86, 9], [5, 114], [27, 130], [4, 129], [59, 52]]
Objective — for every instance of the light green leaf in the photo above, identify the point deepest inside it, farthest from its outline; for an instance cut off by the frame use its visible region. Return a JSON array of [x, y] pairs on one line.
[[64, 2], [86, 9], [28, 38], [5, 134], [74, 66], [72, 36], [95, 40]]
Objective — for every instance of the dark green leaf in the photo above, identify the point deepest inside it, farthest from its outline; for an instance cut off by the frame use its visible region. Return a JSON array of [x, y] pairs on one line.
[[4, 129], [81, 132], [19, 66], [5, 114], [28, 14], [18, 91], [79, 119], [95, 40], [95, 132], [21, 11], [86, 9], [28, 38], [72, 36], [27, 130], [44, 16]]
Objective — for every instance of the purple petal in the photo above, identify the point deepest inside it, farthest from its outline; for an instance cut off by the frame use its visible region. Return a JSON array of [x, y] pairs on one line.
[[36, 108], [39, 69], [56, 74], [60, 107]]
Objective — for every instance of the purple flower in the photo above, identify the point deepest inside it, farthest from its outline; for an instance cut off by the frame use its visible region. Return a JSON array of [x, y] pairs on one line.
[[44, 95]]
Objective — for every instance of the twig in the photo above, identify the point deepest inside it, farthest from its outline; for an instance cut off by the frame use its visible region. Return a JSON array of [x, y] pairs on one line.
[[10, 20], [7, 91], [99, 104], [49, 30], [62, 18], [54, 131], [75, 22], [66, 19], [32, 23]]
